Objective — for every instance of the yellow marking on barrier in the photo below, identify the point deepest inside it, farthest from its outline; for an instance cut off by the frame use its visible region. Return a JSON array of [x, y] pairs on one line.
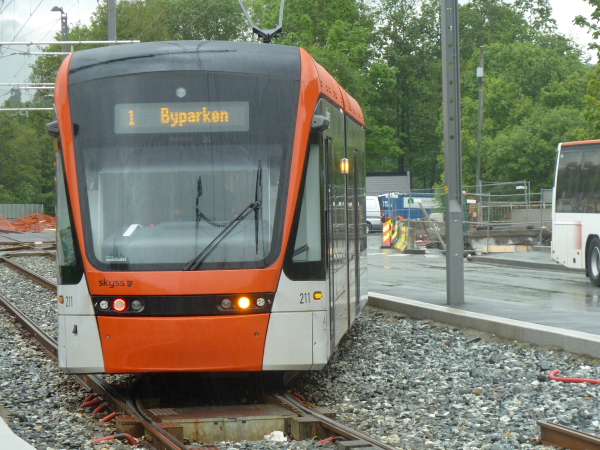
[[403, 242]]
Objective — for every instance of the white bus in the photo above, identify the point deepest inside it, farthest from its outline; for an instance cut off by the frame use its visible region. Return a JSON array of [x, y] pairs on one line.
[[576, 208]]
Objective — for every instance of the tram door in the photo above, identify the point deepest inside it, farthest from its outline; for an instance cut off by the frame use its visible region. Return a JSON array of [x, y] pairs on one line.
[[357, 223], [337, 220]]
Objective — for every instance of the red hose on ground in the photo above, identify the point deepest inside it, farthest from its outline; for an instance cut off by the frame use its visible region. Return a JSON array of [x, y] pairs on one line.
[[297, 395], [89, 397], [108, 417], [127, 436], [100, 408], [90, 403], [571, 380], [329, 439]]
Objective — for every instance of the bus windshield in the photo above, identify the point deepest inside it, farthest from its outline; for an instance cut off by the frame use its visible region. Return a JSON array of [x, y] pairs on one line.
[[173, 159], [578, 179]]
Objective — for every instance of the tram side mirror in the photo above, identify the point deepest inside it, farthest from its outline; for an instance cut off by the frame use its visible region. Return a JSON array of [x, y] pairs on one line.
[[52, 129], [319, 123]]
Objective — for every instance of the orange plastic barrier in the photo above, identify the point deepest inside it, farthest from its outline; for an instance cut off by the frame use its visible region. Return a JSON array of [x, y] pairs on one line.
[[387, 233]]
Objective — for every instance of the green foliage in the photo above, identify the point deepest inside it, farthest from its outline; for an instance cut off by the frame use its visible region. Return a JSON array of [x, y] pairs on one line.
[[591, 129], [26, 161], [534, 97], [387, 55]]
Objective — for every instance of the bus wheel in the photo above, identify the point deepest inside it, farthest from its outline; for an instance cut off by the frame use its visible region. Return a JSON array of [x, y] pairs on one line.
[[593, 262]]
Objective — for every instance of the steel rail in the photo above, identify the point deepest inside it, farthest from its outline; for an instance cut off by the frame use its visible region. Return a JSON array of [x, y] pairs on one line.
[[29, 274], [12, 239], [336, 427], [561, 436], [96, 383], [45, 341], [25, 244], [133, 407]]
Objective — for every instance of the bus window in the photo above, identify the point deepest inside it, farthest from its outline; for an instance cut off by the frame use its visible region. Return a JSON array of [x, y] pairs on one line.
[[590, 182], [568, 181]]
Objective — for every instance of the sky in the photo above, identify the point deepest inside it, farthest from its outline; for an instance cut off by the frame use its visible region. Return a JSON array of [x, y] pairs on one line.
[[32, 21]]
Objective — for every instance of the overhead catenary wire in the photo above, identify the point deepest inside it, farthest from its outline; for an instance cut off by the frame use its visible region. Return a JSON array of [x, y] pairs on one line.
[[18, 34], [25, 23], [7, 5]]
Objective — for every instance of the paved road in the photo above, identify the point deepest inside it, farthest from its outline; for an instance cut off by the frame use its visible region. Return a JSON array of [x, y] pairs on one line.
[[562, 299]]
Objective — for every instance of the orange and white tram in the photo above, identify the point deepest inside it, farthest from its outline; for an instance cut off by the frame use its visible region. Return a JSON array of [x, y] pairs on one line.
[[210, 209]]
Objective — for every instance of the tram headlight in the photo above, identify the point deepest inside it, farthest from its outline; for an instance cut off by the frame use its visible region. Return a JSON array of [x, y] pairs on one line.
[[243, 302], [260, 302], [225, 303], [119, 304], [104, 305], [136, 305]]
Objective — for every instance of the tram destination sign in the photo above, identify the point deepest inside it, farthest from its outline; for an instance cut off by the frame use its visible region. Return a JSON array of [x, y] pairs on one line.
[[197, 117]]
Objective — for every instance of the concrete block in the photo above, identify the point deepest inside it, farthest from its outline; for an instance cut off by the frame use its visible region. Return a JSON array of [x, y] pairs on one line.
[[129, 425], [307, 428], [349, 445]]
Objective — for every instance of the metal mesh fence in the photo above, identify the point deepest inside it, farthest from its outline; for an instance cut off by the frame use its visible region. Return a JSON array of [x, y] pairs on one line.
[[12, 212], [500, 206]]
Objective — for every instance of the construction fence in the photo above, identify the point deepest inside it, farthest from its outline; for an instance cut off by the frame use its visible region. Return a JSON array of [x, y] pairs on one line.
[[25, 218], [509, 207]]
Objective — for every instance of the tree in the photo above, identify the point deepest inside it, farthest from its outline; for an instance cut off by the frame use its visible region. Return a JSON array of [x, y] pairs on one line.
[[591, 129], [26, 161], [535, 82]]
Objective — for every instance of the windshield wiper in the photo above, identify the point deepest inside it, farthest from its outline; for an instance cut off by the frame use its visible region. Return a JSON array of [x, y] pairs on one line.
[[254, 206], [257, 199], [195, 263]]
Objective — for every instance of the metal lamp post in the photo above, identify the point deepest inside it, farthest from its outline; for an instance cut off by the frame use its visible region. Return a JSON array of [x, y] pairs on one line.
[[64, 26]]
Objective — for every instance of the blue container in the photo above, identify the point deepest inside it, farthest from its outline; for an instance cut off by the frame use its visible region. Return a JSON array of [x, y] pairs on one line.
[[407, 206]]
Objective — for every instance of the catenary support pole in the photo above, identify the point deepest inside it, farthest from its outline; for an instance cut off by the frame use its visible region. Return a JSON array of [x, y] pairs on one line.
[[479, 128], [112, 21], [455, 283]]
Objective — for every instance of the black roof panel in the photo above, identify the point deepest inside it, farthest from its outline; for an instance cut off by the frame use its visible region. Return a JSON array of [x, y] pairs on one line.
[[280, 61]]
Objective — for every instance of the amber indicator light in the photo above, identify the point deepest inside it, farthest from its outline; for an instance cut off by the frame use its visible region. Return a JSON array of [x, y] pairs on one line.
[[243, 302], [318, 295]]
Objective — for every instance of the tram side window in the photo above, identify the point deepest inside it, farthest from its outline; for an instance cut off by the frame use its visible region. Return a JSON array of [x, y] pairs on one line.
[[70, 269], [568, 182], [304, 258]]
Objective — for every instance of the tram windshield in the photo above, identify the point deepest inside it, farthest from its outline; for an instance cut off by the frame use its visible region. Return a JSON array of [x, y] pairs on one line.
[[159, 185]]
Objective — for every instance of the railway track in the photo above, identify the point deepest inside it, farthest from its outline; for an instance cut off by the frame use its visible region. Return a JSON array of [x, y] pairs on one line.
[[48, 284], [127, 404], [20, 245], [121, 402], [556, 435]]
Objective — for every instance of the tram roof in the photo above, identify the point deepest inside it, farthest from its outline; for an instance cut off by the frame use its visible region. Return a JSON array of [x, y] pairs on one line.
[[280, 61]]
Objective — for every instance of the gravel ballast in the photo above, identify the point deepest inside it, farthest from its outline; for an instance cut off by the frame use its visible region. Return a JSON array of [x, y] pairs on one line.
[[409, 383], [416, 384]]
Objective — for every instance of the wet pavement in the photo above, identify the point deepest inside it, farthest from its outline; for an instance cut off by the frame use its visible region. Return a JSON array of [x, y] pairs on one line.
[[526, 286]]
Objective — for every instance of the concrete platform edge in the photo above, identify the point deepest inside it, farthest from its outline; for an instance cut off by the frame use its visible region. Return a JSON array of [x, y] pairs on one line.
[[571, 341], [499, 261], [9, 440]]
